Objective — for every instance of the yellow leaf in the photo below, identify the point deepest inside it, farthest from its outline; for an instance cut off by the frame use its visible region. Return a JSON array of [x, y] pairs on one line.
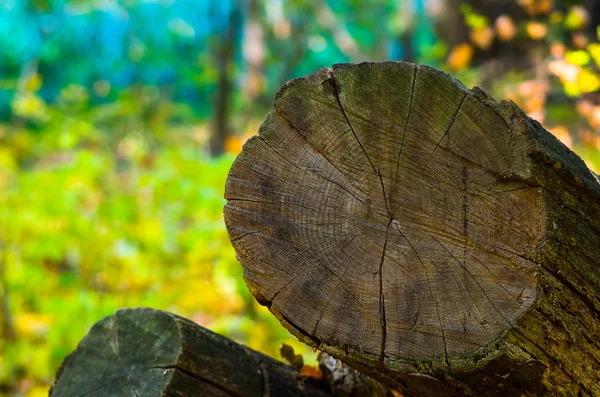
[[588, 81], [482, 37], [544, 6], [577, 18], [473, 20], [32, 324], [233, 145], [460, 56], [536, 30], [579, 57]]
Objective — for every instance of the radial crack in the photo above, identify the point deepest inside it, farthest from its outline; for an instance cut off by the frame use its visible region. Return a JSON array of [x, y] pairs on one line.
[[452, 120], [312, 145], [435, 296], [223, 388], [412, 93], [437, 307], [337, 97], [382, 297]]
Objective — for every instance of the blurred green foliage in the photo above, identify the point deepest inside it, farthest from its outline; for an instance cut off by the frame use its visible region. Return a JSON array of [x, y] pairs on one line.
[[112, 206], [108, 198]]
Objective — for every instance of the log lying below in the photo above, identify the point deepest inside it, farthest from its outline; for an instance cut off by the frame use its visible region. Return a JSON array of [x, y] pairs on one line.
[[423, 233], [146, 352]]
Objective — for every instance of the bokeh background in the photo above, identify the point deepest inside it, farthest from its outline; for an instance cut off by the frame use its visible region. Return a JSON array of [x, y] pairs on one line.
[[119, 120]]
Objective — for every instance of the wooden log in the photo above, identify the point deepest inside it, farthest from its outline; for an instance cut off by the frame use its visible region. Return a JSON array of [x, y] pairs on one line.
[[423, 233], [147, 352]]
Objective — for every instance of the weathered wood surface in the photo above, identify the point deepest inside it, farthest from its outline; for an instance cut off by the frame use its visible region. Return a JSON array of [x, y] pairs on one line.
[[422, 232], [146, 352]]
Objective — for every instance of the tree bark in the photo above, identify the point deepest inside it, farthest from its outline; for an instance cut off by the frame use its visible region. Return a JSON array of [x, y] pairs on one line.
[[423, 233], [146, 352]]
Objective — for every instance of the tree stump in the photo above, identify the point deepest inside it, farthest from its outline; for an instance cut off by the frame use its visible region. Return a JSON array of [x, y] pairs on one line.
[[423, 233]]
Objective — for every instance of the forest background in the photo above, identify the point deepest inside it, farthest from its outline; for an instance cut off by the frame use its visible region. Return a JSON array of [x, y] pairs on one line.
[[119, 120]]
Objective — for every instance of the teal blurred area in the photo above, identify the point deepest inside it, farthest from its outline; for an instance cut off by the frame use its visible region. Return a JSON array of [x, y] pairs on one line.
[[119, 120], [107, 46], [158, 43]]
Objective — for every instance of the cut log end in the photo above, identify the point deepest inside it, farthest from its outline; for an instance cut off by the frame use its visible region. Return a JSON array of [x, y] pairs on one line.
[[147, 352], [381, 209], [390, 216]]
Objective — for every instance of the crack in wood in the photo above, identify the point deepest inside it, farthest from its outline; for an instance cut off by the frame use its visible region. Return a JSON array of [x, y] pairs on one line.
[[412, 93], [570, 288], [201, 378], [312, 145], [264, 379], [337, 97], [465, 208], [450, 124], [382, 297], [435, 296], [375, 170]]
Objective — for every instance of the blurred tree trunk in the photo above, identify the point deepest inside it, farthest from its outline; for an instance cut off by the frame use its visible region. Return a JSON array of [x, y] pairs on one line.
[[7, 330], [450, 26], [225, 59], [593, 6]]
